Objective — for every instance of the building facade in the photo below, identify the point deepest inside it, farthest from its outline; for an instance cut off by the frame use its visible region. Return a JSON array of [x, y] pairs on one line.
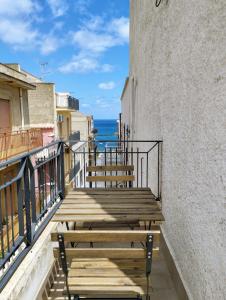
[[176, 93]]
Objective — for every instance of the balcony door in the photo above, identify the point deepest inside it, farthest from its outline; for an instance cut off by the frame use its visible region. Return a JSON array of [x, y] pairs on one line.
[[5, 120]]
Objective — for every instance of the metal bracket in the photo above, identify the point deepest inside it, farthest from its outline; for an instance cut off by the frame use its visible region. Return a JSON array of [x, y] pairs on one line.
[[149, 244], [63, 259]]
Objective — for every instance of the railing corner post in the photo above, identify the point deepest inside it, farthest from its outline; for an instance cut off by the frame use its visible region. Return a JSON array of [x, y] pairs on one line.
[[62, 157]]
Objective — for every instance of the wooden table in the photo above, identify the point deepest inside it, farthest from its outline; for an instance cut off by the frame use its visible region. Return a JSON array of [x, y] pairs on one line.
[[126, 205]]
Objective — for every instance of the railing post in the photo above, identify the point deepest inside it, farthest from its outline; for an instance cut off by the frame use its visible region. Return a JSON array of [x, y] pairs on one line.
[[90, 173], [62, 177], [32, 195], [27, 204]]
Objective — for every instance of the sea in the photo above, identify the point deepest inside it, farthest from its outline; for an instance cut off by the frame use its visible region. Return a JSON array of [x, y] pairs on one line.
[[107, 130]]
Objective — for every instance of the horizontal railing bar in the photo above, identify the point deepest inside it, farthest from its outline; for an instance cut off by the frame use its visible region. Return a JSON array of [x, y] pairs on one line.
[[113, 152], [7, 256], [29, 153], [120, 141], [41, 163], [19, 176]]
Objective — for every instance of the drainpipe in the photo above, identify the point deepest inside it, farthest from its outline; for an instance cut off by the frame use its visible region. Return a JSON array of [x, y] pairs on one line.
[[21, 107]]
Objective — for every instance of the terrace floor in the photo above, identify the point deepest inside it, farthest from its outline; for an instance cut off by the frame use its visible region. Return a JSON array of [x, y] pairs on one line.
[[161, 282], [118, 209]]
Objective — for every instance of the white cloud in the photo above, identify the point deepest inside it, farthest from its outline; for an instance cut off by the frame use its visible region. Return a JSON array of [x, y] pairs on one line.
[[58, 7], [17, 7], [81, 6], [49, 44], [19, 33], [84, 64], [94, 38], [107, 85], [97, 39], [121, 28], [85, 105]]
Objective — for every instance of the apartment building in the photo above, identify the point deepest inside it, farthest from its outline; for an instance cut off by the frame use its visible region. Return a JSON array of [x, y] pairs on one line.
[[82, 123], [42, 107], [176, 92], [15, 133]]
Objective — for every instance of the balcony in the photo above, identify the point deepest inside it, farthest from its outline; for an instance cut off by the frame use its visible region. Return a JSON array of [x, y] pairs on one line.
[[14, 143], [65, 102], [110, 194], [74, 138]]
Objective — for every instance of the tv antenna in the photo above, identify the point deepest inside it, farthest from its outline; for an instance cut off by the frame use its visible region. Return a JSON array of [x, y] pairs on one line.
[[43, 66]]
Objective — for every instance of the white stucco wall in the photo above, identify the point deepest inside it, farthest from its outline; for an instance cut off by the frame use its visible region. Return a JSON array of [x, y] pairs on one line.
[[178, 59]]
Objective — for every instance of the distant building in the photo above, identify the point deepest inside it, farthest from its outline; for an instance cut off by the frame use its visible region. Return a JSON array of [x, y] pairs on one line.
[[83, 124], [66, 105], [16, 135]]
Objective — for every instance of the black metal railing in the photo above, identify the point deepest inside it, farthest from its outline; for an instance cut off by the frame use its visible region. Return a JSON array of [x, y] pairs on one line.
[[144, 156], [74, 137], [31, 188], [73, 103]]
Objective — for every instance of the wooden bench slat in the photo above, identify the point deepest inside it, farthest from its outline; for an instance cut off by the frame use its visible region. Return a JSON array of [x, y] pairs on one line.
[[109, 168], [112, 197], [109, 281], [107, 201], [104, 272], [121, 264], [102, 252], [107, 205], [109, 212], [110, 178], [109, 189], [104, 235], [107, 290], [107, 218]]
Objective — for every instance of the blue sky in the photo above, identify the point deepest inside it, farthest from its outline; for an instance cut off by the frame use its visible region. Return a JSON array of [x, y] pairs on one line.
[[80, 45]]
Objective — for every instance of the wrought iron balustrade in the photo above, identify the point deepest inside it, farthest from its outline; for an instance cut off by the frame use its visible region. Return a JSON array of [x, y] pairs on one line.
[[31, 189], [144, 156]]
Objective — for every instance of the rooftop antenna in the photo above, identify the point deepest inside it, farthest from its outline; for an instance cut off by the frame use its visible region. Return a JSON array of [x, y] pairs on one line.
[[43, 66]]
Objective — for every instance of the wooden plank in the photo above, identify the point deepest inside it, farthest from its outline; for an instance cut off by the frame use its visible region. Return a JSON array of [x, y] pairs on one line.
[[107, 201], [110, 211], [108, 205], [107, 218], [122, 264], [109, 168], [105, 252], [109, 281], [111, 196], [110, 178], [106, 192], [104, 272], [104, 236], [107, 290], [109, 189]]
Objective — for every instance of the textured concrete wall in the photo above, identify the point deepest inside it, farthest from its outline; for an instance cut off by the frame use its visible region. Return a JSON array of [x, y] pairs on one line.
[[42, 105], [178, 60]]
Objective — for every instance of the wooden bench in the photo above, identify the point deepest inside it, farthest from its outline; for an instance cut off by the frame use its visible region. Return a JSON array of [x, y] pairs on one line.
[[109, 271], [124, 178]]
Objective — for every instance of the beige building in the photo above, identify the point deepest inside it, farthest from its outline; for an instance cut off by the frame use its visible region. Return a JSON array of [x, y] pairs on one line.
[[14, 87], [176, 93], [42, 107], [16, 135], [83, 124]]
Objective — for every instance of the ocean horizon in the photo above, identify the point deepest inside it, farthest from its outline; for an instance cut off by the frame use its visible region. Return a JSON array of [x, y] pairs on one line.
[[107, 129]]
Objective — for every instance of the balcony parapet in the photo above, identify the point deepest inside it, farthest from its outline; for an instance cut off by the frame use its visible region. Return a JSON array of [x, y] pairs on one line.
[[17, 142]]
